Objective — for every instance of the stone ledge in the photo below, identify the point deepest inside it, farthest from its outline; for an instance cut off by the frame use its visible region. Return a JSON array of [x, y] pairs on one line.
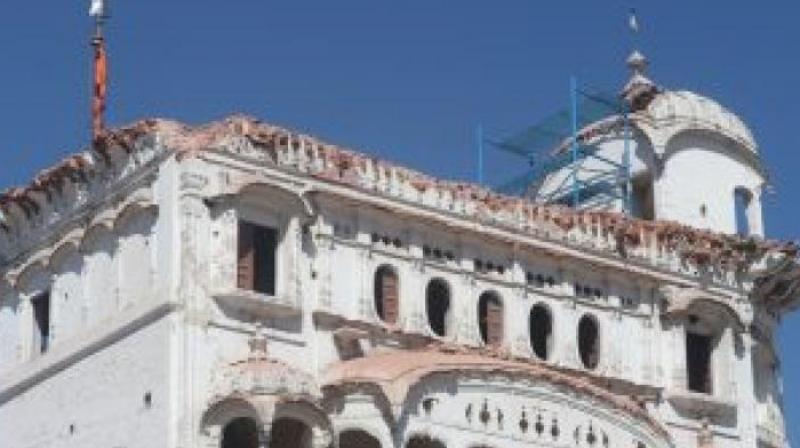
[[702, 405], [254, 303]]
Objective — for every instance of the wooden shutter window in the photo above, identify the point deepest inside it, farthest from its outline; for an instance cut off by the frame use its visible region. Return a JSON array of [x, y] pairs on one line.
[[494, 322], [245, 267], [387, 298], [391, 299]]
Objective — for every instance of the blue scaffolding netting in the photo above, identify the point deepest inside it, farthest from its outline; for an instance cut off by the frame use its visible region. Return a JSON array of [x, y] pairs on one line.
[[554, 144]]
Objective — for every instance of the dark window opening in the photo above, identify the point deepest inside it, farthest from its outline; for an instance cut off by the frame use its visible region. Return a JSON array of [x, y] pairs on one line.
[[41, 317], [387, 299], [588, 342], [289, 433], [643, 203], [490, 319], [256, 268], [698, 362], [240, 433], [742, 200], [424, 442], [357, 439], [540, 325], [437, 301]]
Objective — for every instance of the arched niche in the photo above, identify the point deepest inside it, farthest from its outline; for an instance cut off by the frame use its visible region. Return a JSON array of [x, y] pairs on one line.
[[277, 196], [222, 413], [135, 254], [33, 279], [100, 272], [66, 265], [745, 213], [34, 286], [300, 424]]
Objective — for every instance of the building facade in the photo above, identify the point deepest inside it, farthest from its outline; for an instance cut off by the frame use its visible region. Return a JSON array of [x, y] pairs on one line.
[[239, 285]]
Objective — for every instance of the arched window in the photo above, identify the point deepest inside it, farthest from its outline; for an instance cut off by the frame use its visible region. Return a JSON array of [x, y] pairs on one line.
[[437, 304], [490, 318], [742, 199], [589, 341], [424, 442], [355, 438], [240, 433], [289, 433], [540, 325], [387, 297]]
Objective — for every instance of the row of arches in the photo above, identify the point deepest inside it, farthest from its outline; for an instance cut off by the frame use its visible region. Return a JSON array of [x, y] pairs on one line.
[[82, 281], [243, 432], [490, 317]]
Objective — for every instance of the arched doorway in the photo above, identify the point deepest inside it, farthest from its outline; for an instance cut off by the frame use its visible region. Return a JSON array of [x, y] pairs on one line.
[[240, 432], [289, 433], [356, 438]]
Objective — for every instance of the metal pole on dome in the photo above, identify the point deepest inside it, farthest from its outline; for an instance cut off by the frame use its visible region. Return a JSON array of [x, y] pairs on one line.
[[633, 25], [626, 163]]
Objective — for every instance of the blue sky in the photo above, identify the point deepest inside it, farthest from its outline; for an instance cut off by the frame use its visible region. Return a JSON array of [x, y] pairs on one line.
[[406, 80]]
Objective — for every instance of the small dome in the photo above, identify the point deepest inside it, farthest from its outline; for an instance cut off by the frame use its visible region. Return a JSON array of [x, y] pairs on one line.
[[684, 108]]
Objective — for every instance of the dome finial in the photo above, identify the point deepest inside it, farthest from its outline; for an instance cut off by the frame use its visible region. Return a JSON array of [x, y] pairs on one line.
[[639, 89], [637, 62]]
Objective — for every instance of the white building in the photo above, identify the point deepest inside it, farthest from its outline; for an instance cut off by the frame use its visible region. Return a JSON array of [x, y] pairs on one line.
[[238, 285]]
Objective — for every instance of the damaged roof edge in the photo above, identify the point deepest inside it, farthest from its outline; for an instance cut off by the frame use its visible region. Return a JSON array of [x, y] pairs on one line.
[[288, 150]]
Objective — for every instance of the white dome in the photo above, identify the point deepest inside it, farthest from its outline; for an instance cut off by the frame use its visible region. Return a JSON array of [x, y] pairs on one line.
[[690, 110]]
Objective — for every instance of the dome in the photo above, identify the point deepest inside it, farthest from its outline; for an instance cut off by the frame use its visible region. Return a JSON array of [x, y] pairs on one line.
[[686, 109]]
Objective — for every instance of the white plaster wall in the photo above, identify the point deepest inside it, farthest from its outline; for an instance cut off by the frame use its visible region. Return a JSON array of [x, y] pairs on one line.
[[699, 170], [9, 330], [102, 396], [69, 310], [100, 279], [136, 257]]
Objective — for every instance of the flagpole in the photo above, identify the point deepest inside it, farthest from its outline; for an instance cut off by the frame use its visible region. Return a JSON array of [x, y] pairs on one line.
[[99, 72]]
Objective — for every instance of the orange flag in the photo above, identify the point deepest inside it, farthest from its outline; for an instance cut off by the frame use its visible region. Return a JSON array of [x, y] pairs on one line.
[[100, 87]]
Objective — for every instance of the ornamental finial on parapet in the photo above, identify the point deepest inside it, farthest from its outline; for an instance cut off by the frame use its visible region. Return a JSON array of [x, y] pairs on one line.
[[258, 344]]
